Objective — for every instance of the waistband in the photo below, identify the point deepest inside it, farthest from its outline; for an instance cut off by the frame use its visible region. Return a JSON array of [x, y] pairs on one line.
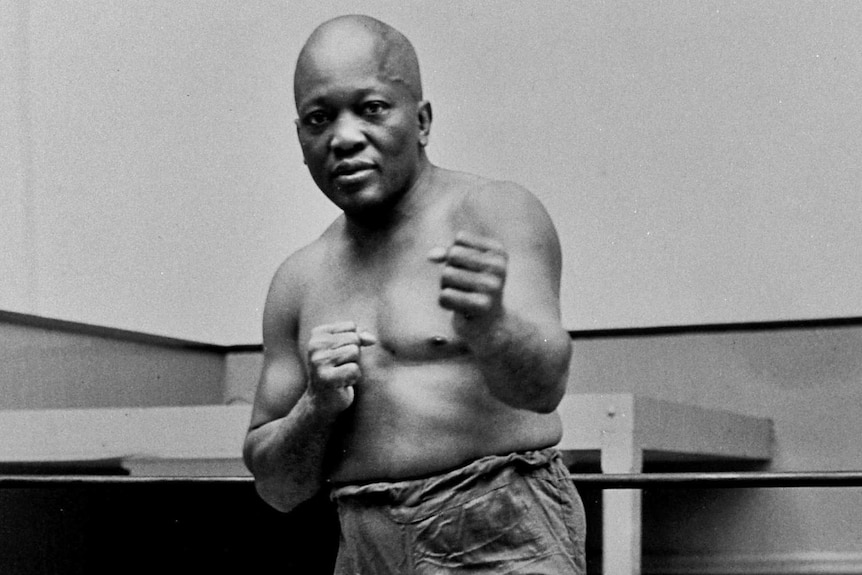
[[411, 492]]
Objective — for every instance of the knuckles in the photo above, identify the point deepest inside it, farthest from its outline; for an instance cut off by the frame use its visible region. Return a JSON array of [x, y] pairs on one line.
[[460, 301], [347, 373], [481, 283], [494, 262], [333, 356], [473, 278]]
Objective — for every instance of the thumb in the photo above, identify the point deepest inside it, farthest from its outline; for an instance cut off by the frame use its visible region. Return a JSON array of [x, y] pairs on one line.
[[366, 338], [438, 254]]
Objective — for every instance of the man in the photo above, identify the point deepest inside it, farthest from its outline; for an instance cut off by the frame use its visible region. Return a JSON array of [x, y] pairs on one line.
[[414, 355]]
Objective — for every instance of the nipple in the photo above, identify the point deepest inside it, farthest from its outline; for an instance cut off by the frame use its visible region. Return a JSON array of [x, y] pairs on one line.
[[438, 341]]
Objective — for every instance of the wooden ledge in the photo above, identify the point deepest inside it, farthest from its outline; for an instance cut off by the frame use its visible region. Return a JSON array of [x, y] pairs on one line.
[[626, 425], [195, 440]]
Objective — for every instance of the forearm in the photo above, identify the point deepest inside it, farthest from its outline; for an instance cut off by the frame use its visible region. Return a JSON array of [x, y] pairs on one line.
[[287, 456], [524, 364]]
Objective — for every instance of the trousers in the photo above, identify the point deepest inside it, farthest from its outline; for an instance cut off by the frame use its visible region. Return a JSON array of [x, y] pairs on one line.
[[503, 514]]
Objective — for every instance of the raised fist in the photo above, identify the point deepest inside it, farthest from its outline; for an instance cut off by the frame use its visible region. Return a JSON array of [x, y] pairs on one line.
[[472, 279], [333, 362]]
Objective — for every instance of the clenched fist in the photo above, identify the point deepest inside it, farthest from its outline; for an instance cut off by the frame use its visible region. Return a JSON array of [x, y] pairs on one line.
[[333, 363], [472, 280]]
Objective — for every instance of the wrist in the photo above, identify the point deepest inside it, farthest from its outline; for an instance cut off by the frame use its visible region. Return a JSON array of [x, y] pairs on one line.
[[487, 336], [321, 408]]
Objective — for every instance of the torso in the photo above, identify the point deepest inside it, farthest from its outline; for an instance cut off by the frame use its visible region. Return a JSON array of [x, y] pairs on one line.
[[422, 406]]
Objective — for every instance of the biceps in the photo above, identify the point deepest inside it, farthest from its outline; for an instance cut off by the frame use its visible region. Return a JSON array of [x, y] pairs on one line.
[[282, 383], [533, 275]]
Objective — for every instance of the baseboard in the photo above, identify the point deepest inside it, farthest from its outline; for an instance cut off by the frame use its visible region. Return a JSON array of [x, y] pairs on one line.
[[814, 563]]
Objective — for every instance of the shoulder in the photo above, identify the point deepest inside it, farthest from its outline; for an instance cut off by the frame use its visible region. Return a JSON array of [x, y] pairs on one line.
[[499, 197], [295, 272], [299, 267], [293, 277], [506, 210]]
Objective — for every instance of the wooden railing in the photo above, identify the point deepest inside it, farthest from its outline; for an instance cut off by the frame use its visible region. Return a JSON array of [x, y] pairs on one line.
[[723, 480], [689, 480]]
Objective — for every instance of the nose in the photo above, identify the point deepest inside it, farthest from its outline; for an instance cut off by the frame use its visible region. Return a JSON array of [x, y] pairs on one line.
[[347, 135]]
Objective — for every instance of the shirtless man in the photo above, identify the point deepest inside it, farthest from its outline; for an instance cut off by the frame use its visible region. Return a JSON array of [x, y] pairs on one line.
[[414, 355]]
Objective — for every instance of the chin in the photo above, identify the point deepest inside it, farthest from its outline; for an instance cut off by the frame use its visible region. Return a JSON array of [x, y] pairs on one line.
[[364, 200]]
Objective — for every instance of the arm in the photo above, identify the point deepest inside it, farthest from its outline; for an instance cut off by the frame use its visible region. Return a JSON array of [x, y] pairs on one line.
[[501, 279], [294, 413]]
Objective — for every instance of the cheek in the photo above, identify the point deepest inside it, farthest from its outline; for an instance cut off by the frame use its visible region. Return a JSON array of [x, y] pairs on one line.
[[312, 145], [307, 150], [407, 140], [400, 146], [315, 162]]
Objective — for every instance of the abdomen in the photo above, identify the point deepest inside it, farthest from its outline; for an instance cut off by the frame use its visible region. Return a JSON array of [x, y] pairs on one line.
[[420, 419]]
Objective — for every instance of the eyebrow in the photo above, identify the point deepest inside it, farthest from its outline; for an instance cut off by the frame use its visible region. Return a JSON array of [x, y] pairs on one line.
[[319, 100]]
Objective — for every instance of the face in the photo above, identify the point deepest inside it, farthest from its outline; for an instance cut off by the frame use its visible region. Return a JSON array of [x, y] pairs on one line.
[[359, 131]]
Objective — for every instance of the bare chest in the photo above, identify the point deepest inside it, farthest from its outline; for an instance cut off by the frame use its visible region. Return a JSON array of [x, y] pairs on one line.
[[392, 294]]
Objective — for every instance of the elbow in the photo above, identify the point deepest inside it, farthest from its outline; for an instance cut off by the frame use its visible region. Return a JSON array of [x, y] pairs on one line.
[[278, 496], [549, 401], [274, 489], [548, 398], [540, 401], [550, 390], [539, 396], [539, 386]]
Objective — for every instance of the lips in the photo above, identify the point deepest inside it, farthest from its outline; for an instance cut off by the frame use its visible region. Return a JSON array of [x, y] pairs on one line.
[[351, 168], [352, 174]]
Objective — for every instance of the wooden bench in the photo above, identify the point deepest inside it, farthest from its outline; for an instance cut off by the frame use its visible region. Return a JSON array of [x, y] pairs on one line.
[[623, 431]]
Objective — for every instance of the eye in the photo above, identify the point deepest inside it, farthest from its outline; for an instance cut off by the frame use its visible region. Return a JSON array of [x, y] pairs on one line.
[[374, 108], [315, 119]]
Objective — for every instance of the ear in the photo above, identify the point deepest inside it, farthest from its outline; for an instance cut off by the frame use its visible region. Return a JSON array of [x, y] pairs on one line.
[[424, 116]]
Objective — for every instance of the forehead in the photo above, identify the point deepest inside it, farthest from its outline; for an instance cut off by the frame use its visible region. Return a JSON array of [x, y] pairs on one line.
[[335, 81], [343, 62], [346, 87]]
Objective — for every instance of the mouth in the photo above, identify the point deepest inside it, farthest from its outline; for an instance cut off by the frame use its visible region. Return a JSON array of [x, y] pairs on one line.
[[347, 173]]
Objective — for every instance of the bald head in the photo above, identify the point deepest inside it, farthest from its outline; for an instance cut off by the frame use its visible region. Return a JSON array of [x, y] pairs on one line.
[[337, 40]]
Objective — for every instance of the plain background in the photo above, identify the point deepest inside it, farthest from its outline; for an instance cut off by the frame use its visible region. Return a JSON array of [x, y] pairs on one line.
[[700, 159]]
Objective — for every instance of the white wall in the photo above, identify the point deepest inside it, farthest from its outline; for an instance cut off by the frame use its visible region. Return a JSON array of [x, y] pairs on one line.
[[700, 159], [158, 170], [16, 251]]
